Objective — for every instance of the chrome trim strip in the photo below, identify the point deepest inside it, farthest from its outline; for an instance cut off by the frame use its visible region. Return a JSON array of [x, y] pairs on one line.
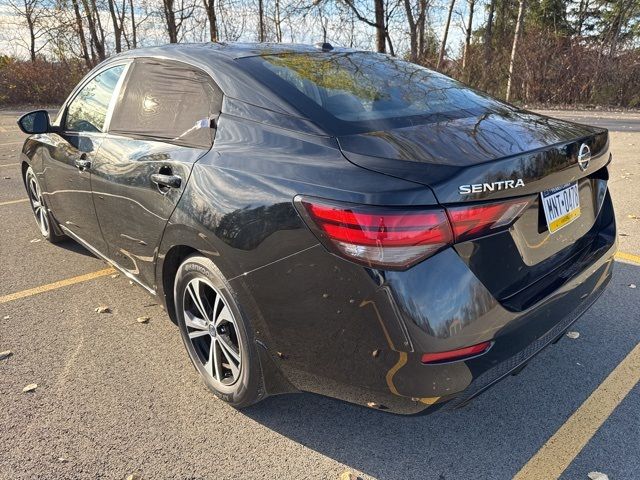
[[115, 97]]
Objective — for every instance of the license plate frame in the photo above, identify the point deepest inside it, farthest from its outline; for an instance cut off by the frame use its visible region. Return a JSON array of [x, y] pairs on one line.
[[561, 206]]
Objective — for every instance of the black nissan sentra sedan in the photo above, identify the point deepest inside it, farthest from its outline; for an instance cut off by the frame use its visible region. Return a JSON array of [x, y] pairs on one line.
[[329, 220]]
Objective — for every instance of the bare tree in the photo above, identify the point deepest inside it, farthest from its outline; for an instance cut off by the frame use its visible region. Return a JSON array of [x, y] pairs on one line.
[[261, 29], [443, 45], [35, 15], [416, 23], [118, 14], [134, 27], [516, 36], [80, 32], [467, 41], [379, 22], [210, 8], [96, 32], [488, 33], [175, 13]]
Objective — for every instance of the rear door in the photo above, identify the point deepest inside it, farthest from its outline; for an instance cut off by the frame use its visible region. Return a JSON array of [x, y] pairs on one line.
[[161, 125], [68, 167]]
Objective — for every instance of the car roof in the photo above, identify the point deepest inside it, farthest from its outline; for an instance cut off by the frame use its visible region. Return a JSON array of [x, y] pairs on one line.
[[218, 59], [236, 50]]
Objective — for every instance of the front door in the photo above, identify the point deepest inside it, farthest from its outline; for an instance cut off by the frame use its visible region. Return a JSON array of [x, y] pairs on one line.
[[160, 127], [68, 167]]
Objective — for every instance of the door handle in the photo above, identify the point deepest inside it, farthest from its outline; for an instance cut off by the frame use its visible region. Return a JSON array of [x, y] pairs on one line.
[[168, 181], [82, 162]]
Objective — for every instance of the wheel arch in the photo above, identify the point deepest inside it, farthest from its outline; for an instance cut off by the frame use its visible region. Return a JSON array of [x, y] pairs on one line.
[[181, 241]]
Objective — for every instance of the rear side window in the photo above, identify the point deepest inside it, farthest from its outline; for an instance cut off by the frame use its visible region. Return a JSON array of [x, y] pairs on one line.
[[167, 101], [88, 110]]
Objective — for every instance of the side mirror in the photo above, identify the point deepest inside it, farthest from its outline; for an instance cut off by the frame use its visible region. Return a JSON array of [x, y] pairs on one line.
[[35, 122]]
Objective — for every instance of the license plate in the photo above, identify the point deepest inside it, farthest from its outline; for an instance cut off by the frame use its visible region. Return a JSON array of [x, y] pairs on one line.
[[561, 206]]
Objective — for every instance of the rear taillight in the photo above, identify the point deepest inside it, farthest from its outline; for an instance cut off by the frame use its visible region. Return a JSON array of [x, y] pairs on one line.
[[399, 237], [472, 221]]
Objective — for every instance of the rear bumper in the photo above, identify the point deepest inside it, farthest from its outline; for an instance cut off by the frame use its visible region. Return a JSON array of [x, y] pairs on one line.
[[341, 330], [517, 336]]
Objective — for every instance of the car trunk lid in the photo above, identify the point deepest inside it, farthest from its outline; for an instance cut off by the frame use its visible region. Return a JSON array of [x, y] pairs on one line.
[[496, 156]]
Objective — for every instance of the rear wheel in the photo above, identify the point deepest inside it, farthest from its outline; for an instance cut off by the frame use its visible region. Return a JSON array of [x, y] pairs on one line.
[[39, 208], [218, 338]]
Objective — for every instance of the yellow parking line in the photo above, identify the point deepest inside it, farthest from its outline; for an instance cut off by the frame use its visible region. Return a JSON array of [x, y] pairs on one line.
[[55, 285], [560, 450], [11, 202], [630, 257]]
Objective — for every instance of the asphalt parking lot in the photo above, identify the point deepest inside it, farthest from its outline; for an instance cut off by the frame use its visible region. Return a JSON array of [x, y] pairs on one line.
[[116, 397]]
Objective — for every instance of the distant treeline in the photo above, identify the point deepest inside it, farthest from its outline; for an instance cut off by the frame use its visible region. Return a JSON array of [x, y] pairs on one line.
[[562, 52]]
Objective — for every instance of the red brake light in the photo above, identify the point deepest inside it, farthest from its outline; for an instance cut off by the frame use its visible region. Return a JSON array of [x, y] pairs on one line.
[[458, 354], [389, 237], [398, 237], [470, 221]]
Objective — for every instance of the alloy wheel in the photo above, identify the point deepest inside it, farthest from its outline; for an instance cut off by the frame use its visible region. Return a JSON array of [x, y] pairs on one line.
[[39, 208], [212, 331]]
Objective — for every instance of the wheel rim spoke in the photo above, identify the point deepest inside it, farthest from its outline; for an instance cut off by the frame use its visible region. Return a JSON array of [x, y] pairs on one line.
[[224, 316], [194, 291], [228, 350], [37, 204], [34, 189], [213, 336], [194, 322], [198, 333]]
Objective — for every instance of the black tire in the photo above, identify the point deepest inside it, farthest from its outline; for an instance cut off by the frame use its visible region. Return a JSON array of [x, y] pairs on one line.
[[44, 220], [244, 388]]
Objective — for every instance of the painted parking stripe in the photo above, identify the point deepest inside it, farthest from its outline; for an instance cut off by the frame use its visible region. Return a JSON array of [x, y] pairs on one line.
[[11, 202], [561, 449], [55, 285], [629, 257]]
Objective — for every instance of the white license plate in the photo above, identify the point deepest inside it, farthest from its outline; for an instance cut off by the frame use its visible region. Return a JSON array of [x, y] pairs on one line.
[[561, 206]]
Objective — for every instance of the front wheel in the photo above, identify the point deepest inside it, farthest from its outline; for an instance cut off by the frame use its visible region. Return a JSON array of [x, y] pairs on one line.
[[39, 208], [218, 338]]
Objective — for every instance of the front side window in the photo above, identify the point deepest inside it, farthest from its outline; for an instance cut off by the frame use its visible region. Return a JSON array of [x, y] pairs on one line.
[[167, 101], [87, 112]]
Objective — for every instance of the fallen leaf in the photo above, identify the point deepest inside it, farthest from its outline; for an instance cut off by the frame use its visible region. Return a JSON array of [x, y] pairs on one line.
[[5, 354], [115, 275], [598, 476], [573, 335], [36, 240], [103, 309], [143, 319], [134, 476], [63, 459], [347, 475], [30, 388], [632, 285], [633, 217], [6, 317]]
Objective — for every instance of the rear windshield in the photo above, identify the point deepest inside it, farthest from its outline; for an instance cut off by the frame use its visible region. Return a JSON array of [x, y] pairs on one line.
[[363, 90]]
